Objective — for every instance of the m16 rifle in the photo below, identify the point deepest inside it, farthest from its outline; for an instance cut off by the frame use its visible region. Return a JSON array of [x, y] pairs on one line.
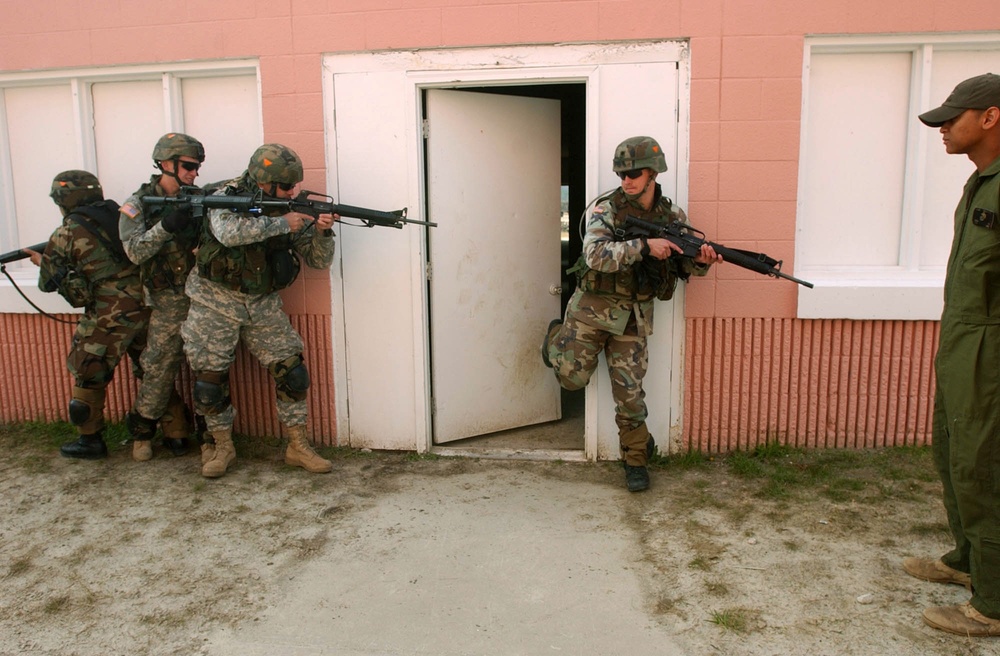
[[306, 202], [690, 240], [20, 254]]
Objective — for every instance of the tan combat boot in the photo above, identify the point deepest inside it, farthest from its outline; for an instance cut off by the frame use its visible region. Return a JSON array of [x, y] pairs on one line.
[[142, 450], [935, 571], [223, 454], [300, 454], [207, 452]]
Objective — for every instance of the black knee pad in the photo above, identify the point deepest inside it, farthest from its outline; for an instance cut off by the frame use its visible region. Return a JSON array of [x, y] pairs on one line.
[[291, 378], [79, 412], [211, 392]]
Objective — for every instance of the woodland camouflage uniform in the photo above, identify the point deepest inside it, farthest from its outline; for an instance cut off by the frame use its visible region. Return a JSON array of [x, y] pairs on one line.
[[85, 263], [612, 307]]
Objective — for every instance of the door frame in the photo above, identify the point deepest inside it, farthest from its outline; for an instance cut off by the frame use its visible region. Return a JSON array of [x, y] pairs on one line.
[[458, 68]]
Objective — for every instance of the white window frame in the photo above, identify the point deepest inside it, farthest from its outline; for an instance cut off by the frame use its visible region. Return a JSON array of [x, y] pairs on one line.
[[171, 77], [907, 291]]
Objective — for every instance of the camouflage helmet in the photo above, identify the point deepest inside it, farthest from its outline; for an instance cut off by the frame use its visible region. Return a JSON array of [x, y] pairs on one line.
[[639, 153], [174, 145], [74, 188], [275, 163]]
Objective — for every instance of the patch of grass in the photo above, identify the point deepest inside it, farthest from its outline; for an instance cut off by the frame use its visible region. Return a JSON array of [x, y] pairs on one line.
[[731, 619], [19, 566], [56, 604], [716, 588], [686, 460], [413, 456], [700, 563]]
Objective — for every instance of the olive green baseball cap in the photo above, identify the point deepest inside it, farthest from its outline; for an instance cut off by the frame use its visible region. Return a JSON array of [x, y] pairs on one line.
[[980, 92]]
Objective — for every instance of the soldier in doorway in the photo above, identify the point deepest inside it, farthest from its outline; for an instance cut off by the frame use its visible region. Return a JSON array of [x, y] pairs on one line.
[[84, 261], [612, 307], [243, 262], [162, 241]]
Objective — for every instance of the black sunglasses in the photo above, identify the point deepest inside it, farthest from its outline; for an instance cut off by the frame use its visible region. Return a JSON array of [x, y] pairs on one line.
[[286, 186], [190, 166], [631, 175]]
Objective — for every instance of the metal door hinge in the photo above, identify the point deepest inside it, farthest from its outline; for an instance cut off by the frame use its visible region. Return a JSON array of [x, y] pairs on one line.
[[425, 128]]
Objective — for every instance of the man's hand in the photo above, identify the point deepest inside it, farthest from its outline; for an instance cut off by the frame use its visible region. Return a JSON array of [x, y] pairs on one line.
[[661, 249], [326, 221], [297, 220], [707, 255], [35, 256]]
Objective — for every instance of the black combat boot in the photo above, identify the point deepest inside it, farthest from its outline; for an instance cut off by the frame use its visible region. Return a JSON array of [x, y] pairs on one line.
[[86, 447], [178, 446], [636, 478]]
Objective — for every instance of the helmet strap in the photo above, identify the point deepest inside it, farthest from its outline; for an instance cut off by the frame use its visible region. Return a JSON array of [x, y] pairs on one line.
[[171, 174]]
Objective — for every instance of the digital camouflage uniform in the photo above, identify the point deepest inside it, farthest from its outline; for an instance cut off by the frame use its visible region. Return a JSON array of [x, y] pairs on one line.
[[612, 311], [966, 426], [165, 259], [84, 262], [242, 263]]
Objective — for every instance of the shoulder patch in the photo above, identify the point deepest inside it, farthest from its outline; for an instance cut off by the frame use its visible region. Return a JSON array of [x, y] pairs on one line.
[[129, 210], [599, 210]]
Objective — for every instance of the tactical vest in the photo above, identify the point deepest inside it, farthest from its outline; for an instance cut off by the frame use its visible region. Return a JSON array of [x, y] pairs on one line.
[[644, 280], [257, 268], [96, 265], [169, 268]]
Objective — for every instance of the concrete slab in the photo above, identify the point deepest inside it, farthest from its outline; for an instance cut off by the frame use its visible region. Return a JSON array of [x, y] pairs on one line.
[[491, 562]]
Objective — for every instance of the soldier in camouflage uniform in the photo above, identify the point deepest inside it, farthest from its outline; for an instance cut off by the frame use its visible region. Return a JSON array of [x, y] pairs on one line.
[[243, 261], [612, 307], [162, 241], [84, 261]]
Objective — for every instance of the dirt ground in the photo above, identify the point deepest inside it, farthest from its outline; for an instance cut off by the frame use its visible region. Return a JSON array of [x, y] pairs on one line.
[[118, 557]]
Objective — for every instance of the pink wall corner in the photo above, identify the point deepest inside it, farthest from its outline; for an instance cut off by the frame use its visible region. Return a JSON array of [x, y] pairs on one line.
[[257, 38], [706, 99], [310, 295], [705, 144], [466, 26], [699, 296], [703, 183], [706, 58]]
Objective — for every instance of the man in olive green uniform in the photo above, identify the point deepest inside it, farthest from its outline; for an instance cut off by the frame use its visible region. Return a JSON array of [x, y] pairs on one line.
[[966, 426], [612, 307], [84, 261], [162, 241], [243, 261]]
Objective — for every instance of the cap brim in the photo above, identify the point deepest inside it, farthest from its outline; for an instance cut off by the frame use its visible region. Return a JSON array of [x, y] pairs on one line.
[[938, 117]]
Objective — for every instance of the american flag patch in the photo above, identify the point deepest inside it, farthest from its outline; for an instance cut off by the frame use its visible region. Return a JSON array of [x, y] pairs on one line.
[[129, 210]]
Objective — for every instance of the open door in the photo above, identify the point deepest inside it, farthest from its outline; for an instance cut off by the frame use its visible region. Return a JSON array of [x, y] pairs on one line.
[[493, 186]]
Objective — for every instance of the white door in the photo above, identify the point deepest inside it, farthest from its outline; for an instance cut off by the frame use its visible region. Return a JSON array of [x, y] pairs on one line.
[[493, 173]]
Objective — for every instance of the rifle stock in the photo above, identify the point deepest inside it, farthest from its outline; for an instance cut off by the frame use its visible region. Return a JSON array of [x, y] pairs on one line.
[[691, 240], [20, 254]]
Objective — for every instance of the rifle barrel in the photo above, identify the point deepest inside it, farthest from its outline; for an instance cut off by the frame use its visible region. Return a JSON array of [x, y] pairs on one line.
[[19, 254]]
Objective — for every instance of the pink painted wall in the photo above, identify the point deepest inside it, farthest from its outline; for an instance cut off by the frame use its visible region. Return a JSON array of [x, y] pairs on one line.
[[746, 59], [746, 64]]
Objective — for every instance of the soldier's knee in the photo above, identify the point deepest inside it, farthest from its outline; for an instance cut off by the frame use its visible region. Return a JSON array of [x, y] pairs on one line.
[[79, 412], [211, 392], [291, 378]]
